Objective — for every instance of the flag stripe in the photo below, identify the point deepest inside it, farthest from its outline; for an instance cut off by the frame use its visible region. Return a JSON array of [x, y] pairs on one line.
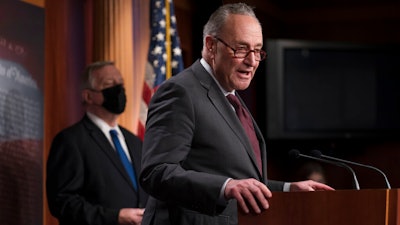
[[147, 93]]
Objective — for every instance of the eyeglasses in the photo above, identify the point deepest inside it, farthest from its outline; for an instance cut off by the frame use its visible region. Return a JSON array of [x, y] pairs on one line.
[[241, 53]]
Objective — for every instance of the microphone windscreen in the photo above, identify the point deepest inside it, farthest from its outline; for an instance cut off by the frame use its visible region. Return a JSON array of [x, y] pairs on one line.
[[294, 153], [316, 153]]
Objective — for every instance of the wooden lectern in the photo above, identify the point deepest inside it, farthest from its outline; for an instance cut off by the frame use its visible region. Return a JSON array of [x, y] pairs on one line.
[[341, 207]]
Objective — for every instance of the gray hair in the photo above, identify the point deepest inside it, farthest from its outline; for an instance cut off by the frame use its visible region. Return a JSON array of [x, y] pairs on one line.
[[87, 78], [217, 19]]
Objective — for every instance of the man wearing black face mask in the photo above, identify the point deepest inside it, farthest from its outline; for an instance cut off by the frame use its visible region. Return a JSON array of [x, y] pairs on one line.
[[93, 165]]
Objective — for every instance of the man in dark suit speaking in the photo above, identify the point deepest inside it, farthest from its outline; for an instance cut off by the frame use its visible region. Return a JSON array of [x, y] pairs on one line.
[[203, 153], [93, 165]]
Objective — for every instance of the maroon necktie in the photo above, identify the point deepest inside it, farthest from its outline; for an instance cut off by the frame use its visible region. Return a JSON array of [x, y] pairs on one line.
[[247, 124]]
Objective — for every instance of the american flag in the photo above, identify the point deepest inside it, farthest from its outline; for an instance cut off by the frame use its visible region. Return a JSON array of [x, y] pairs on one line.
[[165, 55]]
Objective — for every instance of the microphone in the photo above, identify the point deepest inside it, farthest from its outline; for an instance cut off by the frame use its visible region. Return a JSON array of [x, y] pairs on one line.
[[318, 154], [294, 153]]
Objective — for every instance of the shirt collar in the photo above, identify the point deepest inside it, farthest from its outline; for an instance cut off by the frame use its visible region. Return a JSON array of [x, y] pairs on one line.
[[104, 127]]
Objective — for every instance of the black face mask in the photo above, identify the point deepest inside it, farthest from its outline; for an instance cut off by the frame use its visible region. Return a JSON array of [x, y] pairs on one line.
[[114, 99]]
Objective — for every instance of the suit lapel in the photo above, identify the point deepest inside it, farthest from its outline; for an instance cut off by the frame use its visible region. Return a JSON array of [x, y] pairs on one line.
[[106, 147], [131, 148], [234, 122], [261, 142], [222, 105]]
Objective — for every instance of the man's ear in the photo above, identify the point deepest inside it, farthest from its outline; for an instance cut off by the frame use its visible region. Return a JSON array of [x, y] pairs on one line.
[[210, 44], [86, 96]]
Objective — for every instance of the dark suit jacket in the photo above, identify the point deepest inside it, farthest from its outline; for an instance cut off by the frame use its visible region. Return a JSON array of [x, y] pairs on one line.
[[86, 181], [193, 143]]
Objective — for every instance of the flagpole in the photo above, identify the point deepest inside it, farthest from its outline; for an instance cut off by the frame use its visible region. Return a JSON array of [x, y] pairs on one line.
[[168, 73]]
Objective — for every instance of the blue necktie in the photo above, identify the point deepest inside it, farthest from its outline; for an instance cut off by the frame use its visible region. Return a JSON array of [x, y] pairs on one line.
[[125, 161]]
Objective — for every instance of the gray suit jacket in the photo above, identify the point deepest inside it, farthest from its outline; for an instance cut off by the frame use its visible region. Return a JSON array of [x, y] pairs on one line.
[[193, 143]]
